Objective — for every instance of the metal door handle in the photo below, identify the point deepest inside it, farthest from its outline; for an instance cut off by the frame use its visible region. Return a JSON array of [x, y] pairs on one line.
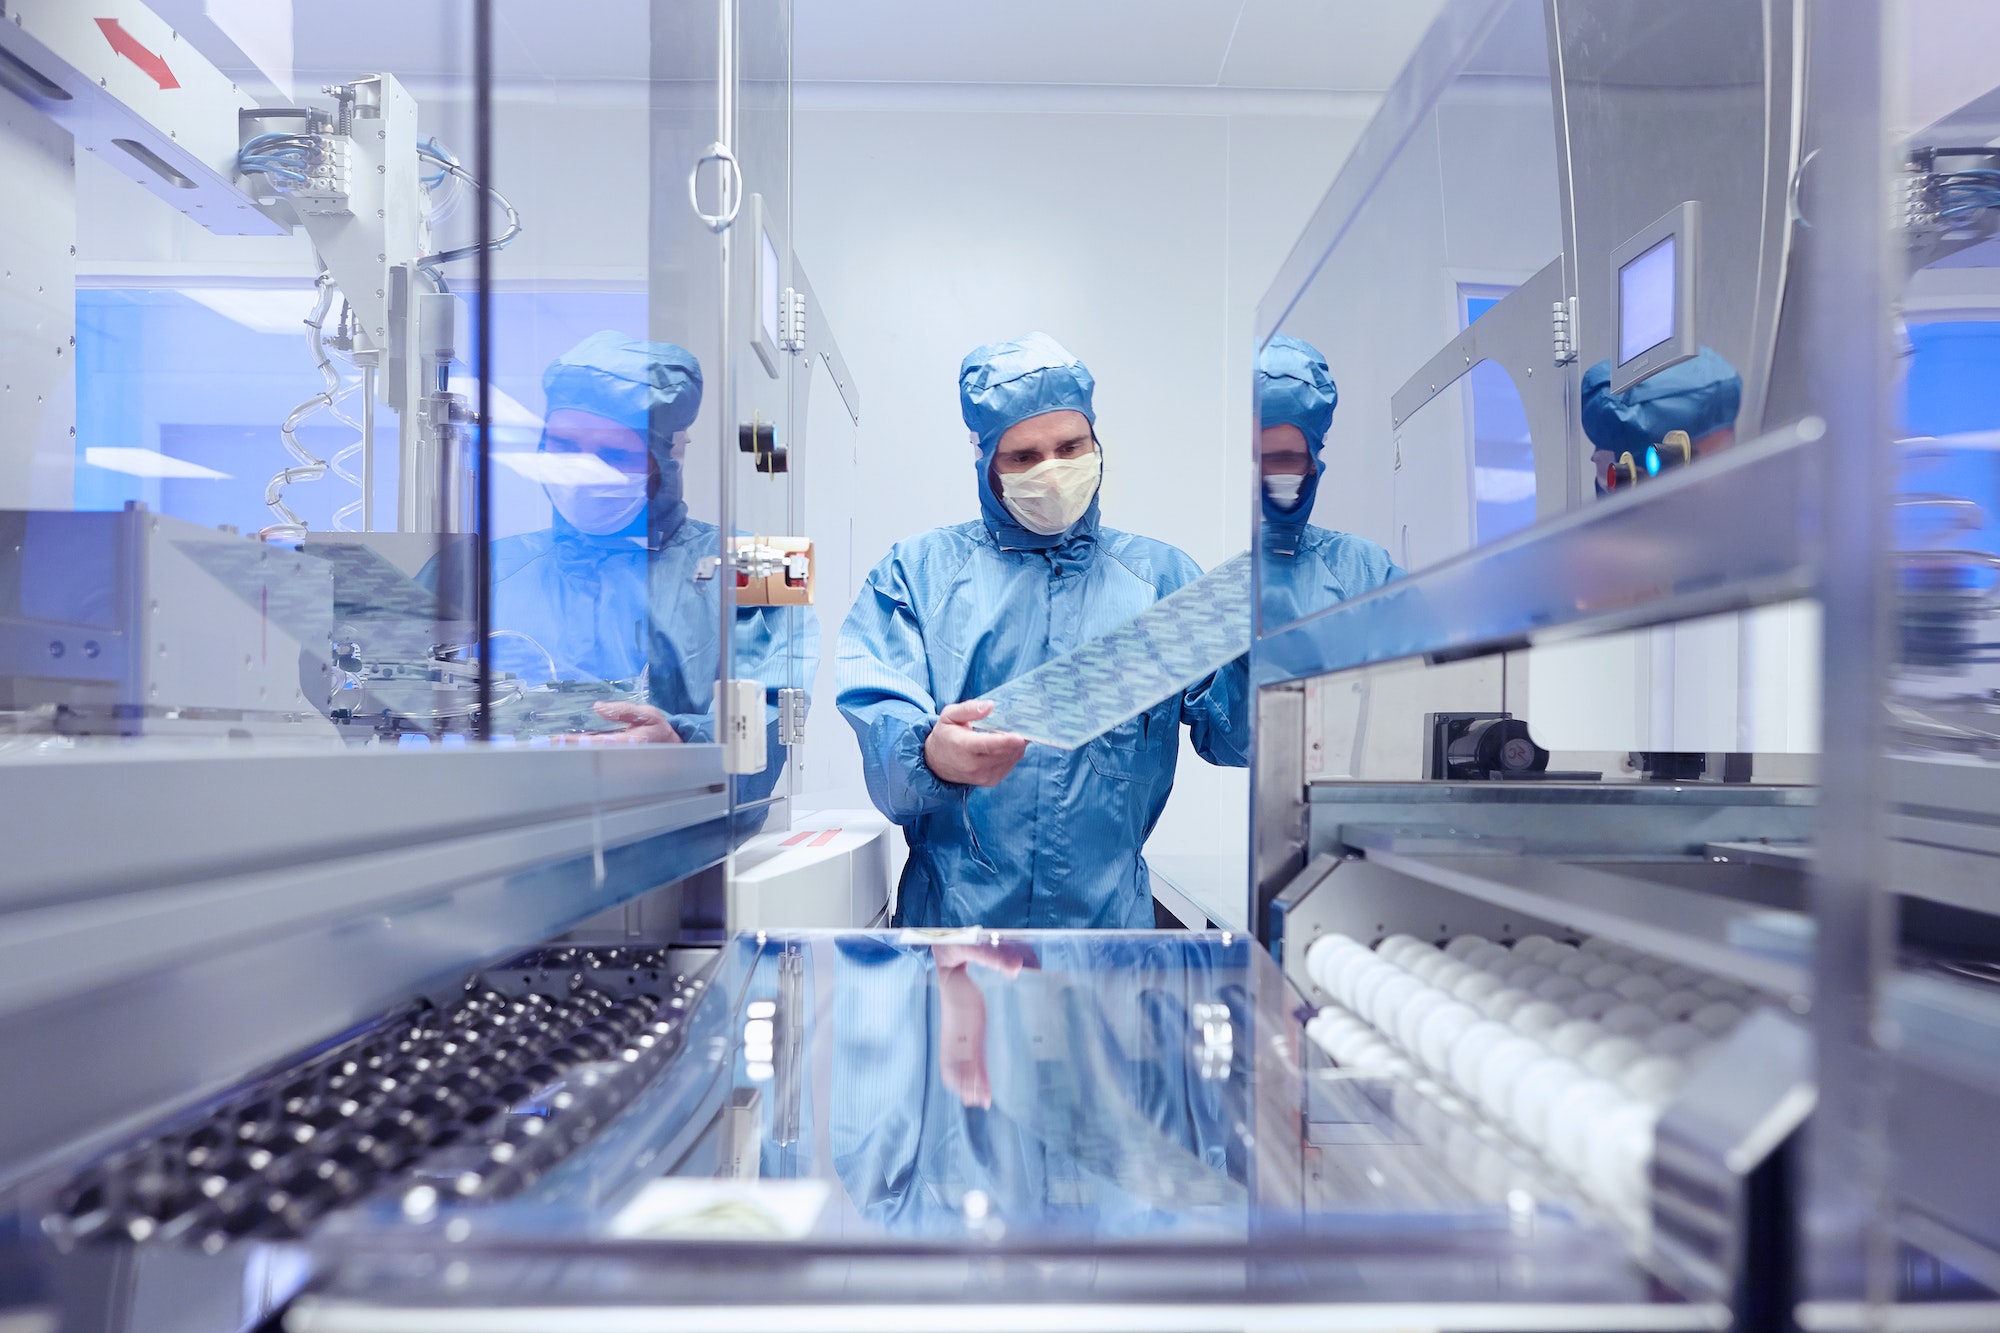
[[732, 187]]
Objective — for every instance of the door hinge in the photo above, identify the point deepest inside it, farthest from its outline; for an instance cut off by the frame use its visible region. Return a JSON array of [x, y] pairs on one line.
[[792, 320], [791, 716], [1563, 321]]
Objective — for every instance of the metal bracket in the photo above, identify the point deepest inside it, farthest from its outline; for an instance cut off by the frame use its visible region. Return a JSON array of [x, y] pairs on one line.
[[755, 561], [791, 716]]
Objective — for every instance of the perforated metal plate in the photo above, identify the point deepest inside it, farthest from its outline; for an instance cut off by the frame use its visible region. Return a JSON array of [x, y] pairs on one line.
[[1160, 652]]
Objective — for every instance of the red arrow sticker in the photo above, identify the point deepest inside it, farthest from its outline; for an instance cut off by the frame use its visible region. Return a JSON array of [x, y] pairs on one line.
[[125, 44]]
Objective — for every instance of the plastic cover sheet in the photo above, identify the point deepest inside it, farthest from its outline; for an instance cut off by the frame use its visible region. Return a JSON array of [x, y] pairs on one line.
[[1169, 646]]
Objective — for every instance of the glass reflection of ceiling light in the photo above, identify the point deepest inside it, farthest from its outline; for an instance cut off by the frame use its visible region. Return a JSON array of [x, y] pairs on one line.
[[1503, 485], [150, 463], [507, 409], [561, 469], [259, 309]]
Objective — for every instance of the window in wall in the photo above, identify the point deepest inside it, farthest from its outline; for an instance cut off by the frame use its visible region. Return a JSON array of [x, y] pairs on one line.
[[181, 393], [1503, 457], [1950, 411]]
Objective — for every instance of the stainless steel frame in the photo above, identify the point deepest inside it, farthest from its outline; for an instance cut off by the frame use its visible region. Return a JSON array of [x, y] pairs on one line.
[[231, 922], [1800, 512], [1515, 335], [1725, 536]]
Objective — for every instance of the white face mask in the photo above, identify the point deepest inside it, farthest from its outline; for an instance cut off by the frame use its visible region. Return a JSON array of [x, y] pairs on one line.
[[1283, 490], [1052, 495], [600, 509]]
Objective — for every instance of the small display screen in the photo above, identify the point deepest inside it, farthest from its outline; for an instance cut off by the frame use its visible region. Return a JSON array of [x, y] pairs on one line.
[[1646, 291], [768, 288]]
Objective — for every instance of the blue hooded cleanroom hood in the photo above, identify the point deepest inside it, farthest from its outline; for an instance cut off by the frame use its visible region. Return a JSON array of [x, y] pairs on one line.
[[1007, 382], [1295, 388], [652, 388], [1700, 395]]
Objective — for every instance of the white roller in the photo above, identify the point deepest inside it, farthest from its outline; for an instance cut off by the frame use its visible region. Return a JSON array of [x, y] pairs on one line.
[[1678, 1004], [1527, 976], [1676, 1039], [1469, 1052], [1464, 945], [1575, 1037], [1390, 997], [1536, 1092], [1558, 988], [1593, 1004], [1621, 1153], [1640, 987], [1392, 948], [1567, 1136], [1537, 1017], [1447, 977], [1630, 1020], [1409, 1020], [1603, 975], [1502, 1069], [1476, 986], [1612, 1056], [1716, 1019], [1440, 1032], [1423, 964], [1370, 983], [1504, 1003], [1654, 1078]]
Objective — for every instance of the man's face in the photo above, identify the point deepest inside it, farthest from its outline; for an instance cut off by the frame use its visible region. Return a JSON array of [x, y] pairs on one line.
[[1038, 439], [1283, 451], [570, 430]]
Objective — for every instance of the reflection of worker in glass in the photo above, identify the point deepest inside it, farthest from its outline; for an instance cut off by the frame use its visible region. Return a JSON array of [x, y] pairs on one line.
[[1699, 396], [945, 1113], [1001, 834], [1303, 568], [608, 591]]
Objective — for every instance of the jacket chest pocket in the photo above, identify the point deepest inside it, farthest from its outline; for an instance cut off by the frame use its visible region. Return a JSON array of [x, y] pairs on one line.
[[1130, 750]]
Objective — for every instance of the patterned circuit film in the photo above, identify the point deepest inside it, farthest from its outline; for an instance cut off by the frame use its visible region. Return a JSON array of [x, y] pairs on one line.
[[1169, 646]]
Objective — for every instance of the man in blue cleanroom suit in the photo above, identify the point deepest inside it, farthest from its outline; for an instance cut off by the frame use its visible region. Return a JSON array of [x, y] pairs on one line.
[[1701, 396], [608, 590], [1303, 568], [1002, 834]]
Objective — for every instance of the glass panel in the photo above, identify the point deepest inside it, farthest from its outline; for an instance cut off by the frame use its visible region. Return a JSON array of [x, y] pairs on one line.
[[776, 637], [198, 559], [1467, 209], [1503, 451], [1060, 1095], [1948, 528]]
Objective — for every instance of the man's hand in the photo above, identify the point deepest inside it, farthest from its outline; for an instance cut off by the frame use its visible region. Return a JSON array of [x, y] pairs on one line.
[[644, 725], [957, 753]]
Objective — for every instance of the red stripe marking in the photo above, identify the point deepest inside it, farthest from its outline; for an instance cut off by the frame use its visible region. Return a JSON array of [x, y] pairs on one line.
[[796, 839], [125, 44], [826, 837]]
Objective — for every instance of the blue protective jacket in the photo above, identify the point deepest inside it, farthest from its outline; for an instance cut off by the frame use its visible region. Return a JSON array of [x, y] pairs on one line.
[[608, 608], [1308, 569], [1302, 569], [955, 612]]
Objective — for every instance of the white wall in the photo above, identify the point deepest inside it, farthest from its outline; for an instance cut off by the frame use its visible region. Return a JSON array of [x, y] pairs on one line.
[[1138, 230]]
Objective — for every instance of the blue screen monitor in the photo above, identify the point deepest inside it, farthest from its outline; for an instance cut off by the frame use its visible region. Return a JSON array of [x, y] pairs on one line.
[[1652, 297]]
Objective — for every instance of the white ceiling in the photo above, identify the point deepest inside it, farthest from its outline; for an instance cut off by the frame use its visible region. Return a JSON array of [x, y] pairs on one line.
[[1344, 45], [1337, 45]]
